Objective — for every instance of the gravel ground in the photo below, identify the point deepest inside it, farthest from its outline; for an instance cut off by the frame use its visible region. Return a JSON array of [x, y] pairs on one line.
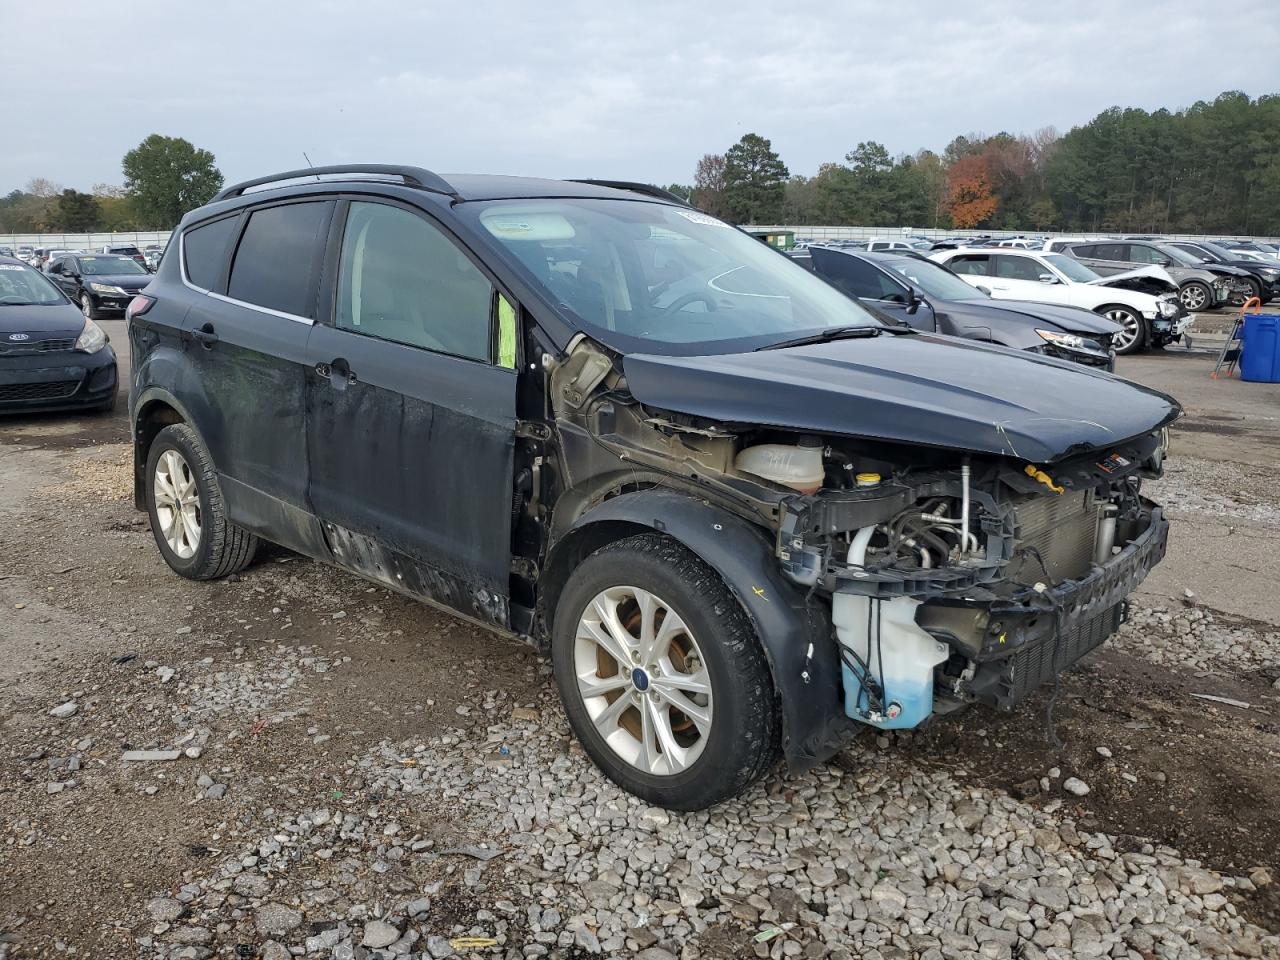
[[292, 763]]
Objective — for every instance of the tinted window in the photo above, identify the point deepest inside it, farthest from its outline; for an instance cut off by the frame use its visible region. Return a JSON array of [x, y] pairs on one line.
[[1083, 250], [205, 250], [1018, 268], [857, 278], [975, 265], [1111, 251], [275, 264], [402, 279]]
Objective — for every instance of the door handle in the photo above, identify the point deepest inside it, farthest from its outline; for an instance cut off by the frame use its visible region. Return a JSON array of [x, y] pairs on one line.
[[205, 335], [338, 372]]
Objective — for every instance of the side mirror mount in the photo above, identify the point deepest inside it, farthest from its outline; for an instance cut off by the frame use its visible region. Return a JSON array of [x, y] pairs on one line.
[[986, 290], [913, 301], [1048, 278]]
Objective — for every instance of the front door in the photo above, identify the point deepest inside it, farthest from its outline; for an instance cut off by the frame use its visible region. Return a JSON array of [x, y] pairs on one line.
[[410, 421], [247, 338]]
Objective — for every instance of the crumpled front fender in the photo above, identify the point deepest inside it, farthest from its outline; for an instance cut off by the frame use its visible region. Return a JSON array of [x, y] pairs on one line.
[[794, 631]]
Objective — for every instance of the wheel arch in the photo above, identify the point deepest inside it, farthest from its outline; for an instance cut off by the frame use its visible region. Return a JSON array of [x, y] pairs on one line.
[[794, 629], [153, 410]]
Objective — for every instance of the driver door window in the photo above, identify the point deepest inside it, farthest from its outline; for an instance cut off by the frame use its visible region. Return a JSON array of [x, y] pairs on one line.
[[401, 279], [1019, 268]]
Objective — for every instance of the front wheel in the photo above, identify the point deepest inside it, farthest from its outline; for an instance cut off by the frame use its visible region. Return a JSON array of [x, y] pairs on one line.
[[1195, 296], [87, 308], [1133, 333], [662, 675]]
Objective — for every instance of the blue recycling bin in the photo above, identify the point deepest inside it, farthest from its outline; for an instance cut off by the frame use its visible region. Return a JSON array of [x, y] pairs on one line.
[[1260, 348]]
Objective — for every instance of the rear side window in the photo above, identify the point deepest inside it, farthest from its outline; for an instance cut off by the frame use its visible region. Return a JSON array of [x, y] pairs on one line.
[[1018, 268], [401, 279], [276, 262], [1082, 250], [1111, 251], [975, 265], [205, 251]]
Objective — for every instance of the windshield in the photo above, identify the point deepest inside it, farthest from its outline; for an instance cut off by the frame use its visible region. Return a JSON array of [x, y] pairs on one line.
[[23, 286], [109, 266], [651, 277], [933, 280], [1073, 270]]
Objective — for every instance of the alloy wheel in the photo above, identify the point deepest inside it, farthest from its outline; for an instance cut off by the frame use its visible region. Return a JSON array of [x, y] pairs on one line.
[[1194, 297], [177, 502], [643, 680], [1132, 328]]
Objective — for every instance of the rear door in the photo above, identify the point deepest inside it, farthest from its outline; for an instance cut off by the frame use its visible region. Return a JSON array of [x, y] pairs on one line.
[[1020, 278], [247, 341], [1105, 258], [410, 416]]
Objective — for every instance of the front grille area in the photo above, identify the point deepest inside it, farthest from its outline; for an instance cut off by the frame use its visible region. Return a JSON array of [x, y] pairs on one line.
[[28, 347], [1061, 529], [1030, 668], [52, 390]]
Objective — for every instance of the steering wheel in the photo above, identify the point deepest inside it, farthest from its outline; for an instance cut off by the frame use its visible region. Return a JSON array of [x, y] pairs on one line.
[[679, 303]]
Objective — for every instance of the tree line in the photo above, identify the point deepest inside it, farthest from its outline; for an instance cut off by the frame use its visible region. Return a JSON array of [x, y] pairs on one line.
[[164, 177], [1211, 168]]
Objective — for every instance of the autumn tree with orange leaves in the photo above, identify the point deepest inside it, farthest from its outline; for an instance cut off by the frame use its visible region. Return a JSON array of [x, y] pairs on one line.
[[969, 189]]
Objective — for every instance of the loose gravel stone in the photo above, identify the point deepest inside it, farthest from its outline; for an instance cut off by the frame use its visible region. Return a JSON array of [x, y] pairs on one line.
[[64, 710], [1076, 786]]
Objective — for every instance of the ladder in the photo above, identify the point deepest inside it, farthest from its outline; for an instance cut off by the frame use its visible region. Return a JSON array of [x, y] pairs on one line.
[[1230, 353]]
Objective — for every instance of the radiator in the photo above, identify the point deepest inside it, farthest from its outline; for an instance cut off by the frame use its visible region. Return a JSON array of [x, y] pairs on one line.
[[1062, 528]]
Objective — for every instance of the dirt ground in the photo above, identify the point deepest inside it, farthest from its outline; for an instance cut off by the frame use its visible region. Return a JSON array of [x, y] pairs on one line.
[[284, 673]]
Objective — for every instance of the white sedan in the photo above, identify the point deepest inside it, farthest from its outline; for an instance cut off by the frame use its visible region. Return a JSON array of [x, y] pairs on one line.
[[1142, 302]]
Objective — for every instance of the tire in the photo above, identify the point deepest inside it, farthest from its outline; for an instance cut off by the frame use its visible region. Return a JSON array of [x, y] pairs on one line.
[[88, 309], [1196, 296], [715, 643], [218, 547], [1133, 338]]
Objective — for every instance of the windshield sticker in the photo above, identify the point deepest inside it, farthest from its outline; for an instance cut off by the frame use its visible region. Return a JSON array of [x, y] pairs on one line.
[[12, 266], [694, 217]]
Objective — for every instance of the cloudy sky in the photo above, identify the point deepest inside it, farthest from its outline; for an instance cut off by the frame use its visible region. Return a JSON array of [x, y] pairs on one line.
[[570, 89]]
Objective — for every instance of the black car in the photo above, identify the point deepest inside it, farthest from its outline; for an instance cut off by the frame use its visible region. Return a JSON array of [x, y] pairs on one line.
[[51, 357], [101, 283], [125, 250], [929, 297], [743, 514], [1263, 279]]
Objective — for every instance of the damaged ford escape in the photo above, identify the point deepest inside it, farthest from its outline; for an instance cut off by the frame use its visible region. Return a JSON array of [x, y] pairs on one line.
[[743, 513]]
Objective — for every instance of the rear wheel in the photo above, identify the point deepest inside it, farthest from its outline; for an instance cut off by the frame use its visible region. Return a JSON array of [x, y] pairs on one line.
[[1196, 296], [662, 676], [1133, 333], [188, 515]]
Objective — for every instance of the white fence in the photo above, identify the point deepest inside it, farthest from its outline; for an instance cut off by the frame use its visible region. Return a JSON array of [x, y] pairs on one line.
[[867, 233], [83, 241], [88, 241]]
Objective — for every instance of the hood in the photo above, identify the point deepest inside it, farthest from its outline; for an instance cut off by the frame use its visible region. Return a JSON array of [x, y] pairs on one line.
[[916, 389], [1223, 270], [1153, 280], [56, 318], [1070, 319], [125, 281]]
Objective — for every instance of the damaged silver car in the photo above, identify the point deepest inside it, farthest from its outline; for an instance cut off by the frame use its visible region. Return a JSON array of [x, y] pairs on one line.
[[743, 515]]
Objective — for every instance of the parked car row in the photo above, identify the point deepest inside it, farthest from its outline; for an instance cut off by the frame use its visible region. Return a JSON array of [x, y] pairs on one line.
[[42, 257]]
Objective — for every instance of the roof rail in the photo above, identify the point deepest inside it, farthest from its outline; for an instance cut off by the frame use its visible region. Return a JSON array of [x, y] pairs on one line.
[[417, 177], [648, 189]]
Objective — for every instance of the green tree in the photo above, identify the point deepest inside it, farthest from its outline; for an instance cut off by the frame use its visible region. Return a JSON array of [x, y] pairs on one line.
[[74, 211], [681, 190], [165, 177], [754, 181], [708, 185]]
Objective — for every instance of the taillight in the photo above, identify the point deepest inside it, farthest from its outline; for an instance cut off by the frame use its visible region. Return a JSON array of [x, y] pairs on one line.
[[139, 305]]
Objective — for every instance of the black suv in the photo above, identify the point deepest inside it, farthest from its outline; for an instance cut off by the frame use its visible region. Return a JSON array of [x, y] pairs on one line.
[[743, 514]]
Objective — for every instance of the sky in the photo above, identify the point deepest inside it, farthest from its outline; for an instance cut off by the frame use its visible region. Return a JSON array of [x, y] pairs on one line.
[[619, 90]]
